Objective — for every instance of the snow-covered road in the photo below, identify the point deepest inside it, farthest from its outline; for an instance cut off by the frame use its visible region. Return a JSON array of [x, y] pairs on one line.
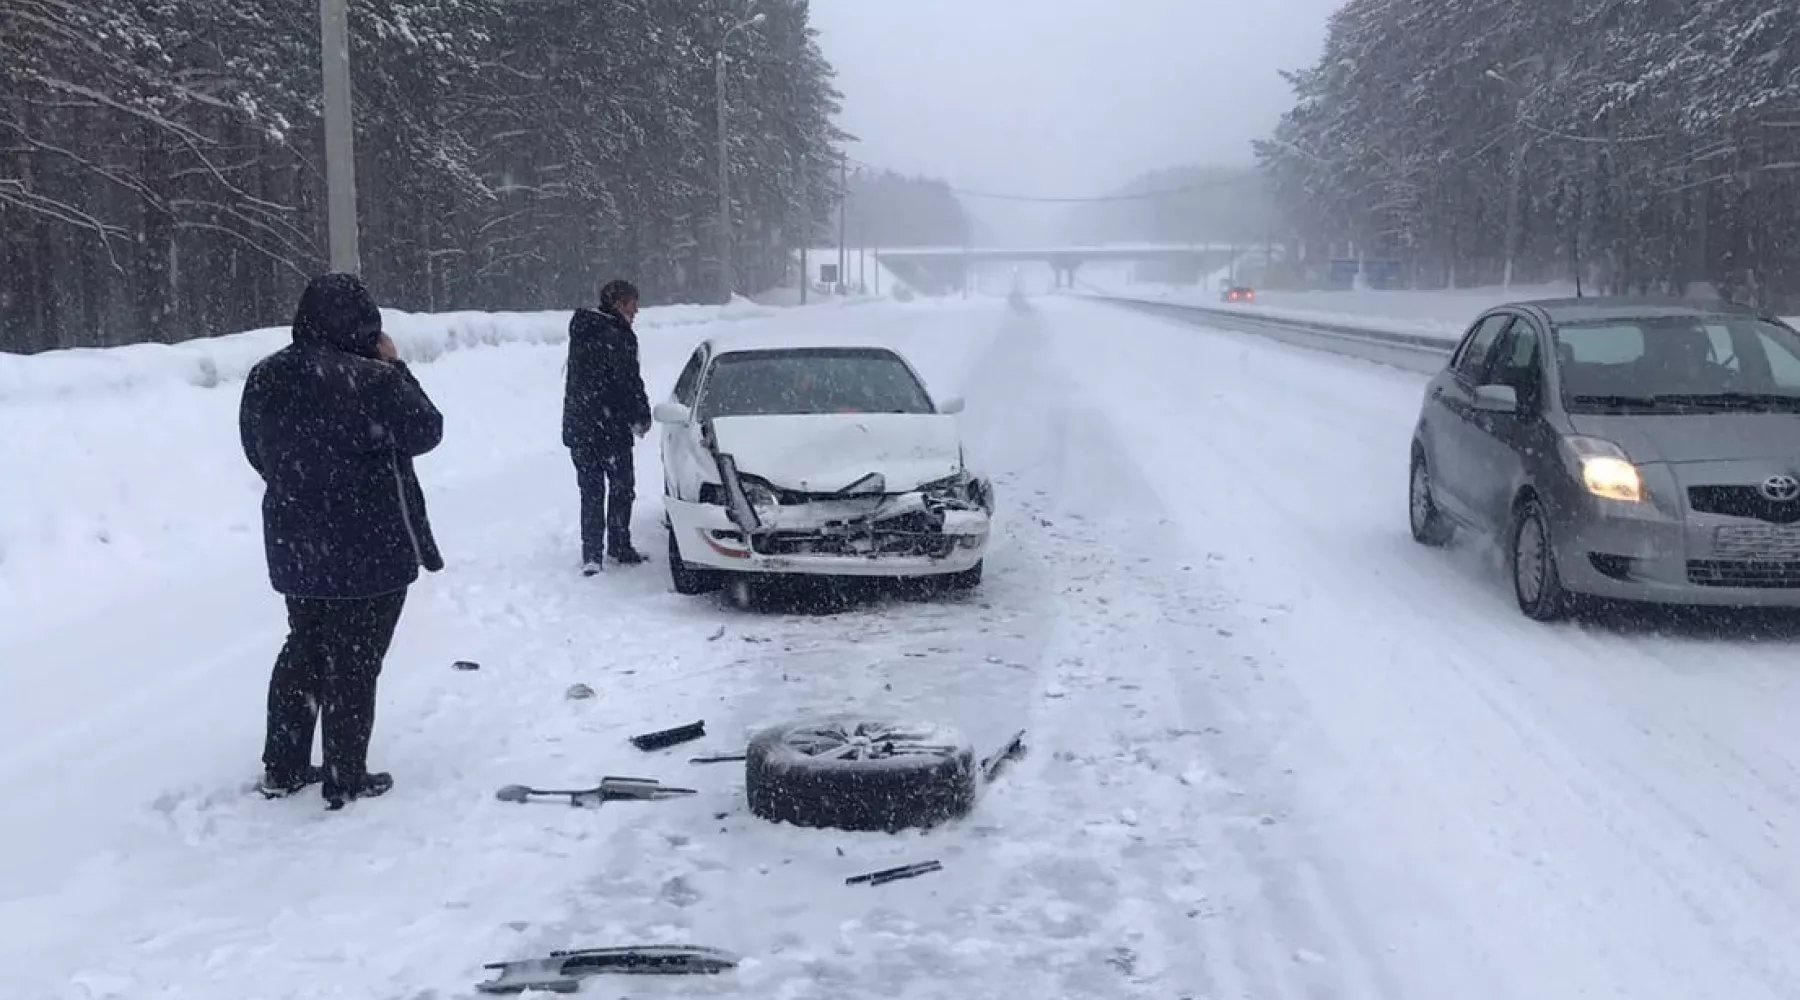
[[1278, 751]]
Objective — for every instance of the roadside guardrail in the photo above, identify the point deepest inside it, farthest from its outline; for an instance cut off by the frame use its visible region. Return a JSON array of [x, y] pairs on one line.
[[1253, 322]]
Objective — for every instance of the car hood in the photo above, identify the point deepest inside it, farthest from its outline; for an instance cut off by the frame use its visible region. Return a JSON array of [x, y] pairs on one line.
[[1693, 437], [824, 453]]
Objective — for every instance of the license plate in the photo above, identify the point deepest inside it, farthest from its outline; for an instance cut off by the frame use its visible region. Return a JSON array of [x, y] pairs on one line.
[[1762, 542]]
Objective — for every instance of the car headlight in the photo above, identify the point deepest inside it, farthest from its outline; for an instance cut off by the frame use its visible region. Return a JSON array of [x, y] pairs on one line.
[[1605, 470], [759, 494]]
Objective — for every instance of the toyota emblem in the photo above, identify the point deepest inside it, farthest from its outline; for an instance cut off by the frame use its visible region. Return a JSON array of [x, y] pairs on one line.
[[1780, 489]]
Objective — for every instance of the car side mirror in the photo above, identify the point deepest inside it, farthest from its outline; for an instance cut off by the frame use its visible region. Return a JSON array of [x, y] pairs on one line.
[[952, 405], [672, 413], [1497, 399]]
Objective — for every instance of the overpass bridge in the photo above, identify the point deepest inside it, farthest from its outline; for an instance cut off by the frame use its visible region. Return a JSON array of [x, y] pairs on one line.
[[928, 266]]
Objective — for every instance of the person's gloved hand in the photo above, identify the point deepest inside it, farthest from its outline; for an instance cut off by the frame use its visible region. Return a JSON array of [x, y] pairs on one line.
[[640, 429]]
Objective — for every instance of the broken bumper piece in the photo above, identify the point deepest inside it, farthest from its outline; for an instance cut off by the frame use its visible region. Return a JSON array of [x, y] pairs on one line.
[[562, 971]]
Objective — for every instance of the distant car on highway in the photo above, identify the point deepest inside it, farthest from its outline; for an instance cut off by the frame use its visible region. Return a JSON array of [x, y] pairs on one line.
[[1635, 450], [818, 459], [1238, 293]]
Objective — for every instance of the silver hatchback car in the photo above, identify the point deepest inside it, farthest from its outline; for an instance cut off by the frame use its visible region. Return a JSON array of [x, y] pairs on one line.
[[1623, 449]]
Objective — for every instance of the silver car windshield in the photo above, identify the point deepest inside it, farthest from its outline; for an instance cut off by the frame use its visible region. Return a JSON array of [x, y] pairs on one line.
[[828, 380], [1679, 364]]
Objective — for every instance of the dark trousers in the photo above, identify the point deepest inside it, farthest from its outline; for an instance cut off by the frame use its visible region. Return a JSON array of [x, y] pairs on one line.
[[326, 675], [608, 483]]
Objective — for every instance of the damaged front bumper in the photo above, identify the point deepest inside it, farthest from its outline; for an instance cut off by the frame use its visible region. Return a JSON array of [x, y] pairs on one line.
[[919, 533]]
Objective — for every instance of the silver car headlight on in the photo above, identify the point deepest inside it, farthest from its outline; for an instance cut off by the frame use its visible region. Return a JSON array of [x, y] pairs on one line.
[[1604, 469]]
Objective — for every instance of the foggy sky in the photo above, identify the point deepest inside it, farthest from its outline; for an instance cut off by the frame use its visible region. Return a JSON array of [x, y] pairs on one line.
[[1062, 97]]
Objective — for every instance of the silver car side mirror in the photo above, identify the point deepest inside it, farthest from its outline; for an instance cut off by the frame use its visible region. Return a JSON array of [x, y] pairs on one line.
[[1497, 399]]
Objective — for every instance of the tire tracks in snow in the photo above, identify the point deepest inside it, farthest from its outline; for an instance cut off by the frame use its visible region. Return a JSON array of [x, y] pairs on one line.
[[1547, 850]]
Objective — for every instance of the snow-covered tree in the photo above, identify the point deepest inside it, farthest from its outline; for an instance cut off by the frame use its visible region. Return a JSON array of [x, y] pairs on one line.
[[161, 161], [1642, 144]]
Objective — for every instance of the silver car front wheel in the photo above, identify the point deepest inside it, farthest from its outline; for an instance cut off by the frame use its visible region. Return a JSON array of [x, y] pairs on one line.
[[1536, 582]]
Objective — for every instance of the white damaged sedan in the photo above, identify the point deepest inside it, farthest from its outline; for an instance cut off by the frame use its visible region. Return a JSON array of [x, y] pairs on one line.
[[815, 460]]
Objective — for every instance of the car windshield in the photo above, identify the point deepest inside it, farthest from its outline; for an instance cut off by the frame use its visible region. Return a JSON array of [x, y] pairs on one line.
[[833, 380], [1679, 363]]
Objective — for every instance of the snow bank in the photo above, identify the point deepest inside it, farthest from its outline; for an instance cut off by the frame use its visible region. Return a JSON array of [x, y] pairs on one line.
[[421, 337]]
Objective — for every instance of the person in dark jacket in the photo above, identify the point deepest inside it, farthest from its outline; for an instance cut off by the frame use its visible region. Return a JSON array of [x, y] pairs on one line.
[[604, 411], [332, 423]]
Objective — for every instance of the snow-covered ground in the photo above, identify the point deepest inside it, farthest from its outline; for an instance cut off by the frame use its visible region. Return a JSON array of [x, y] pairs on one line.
[[1278, 751], [1445, 313]]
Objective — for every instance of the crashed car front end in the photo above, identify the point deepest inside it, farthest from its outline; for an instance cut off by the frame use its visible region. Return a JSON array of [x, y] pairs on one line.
[[749, 524]]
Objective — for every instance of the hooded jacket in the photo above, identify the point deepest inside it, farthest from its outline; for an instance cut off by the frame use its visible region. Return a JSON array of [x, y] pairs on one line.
[[332, 430], [603, 395]]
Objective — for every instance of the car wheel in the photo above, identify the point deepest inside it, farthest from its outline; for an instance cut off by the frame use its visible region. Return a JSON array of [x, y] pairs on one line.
[[1429, 525], [858, 774], [687, 579], [1532, 556]]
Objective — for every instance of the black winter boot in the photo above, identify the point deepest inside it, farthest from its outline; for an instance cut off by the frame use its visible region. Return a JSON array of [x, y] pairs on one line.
[[276, 785], [369, 786]]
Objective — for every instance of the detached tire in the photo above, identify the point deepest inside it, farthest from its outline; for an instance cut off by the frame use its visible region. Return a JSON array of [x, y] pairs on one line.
[[858, 774]]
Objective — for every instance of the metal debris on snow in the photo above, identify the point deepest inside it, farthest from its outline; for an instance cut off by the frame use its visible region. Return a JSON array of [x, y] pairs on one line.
[[887, 875], [465, 665], [610, 789], [1014, 749], [578, 692], [666, 738], [562, 971], [722, 758]]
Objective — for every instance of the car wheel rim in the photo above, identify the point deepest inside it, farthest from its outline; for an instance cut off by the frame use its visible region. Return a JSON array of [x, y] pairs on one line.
[[865, 741], [1421, 496], [1531, 559]]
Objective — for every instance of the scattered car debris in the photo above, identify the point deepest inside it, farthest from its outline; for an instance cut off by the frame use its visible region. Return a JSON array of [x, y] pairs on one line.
[[887, 875], [723, 758], [716, 636], [610, 789], [666, 738], [860, 774], [578, 692], [1014, 749], [465, 665], [562, 971]]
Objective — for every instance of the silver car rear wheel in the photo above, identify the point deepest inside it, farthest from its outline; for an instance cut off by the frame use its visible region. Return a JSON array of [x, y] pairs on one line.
[[1429, 526]]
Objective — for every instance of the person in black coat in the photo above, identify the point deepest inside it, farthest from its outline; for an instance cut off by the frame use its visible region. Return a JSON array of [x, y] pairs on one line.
[[604, 411], [332, 423]]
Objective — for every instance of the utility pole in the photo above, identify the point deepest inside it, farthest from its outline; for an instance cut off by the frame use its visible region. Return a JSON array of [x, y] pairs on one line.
[[1516, 183], [805, 275], [340, 136], [727, 273], [843, 221]]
